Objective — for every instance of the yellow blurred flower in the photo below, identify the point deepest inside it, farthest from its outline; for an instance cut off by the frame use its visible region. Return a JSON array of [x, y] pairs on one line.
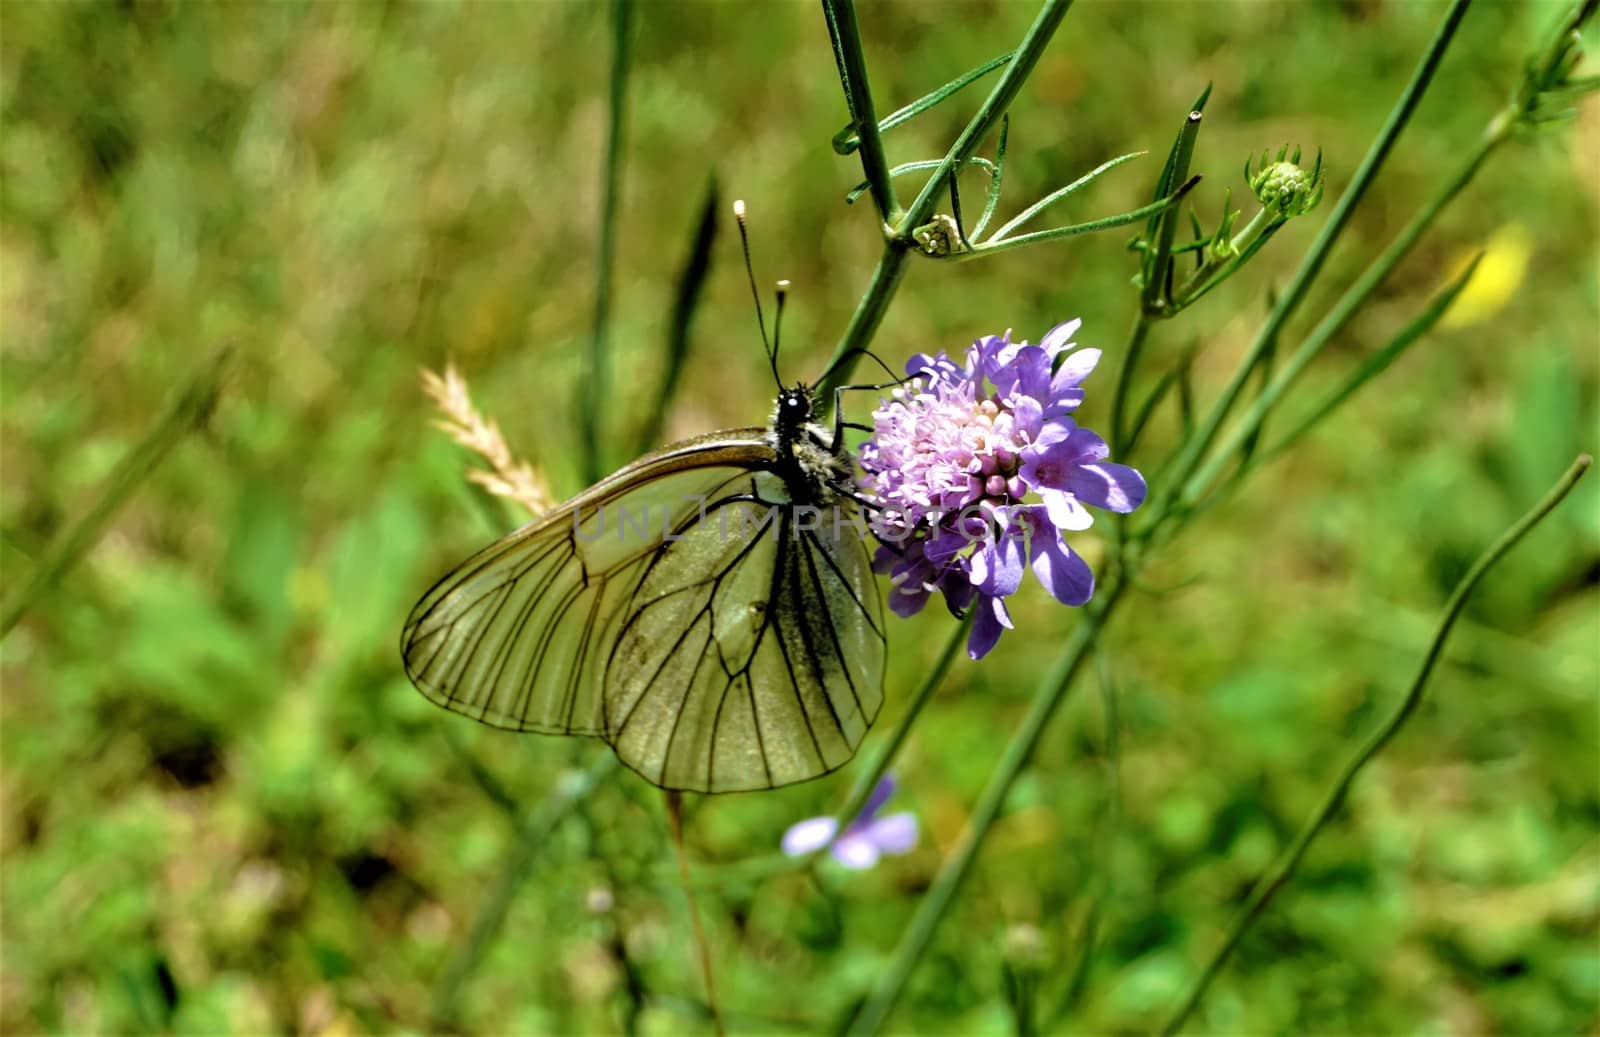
[[1505, 263]]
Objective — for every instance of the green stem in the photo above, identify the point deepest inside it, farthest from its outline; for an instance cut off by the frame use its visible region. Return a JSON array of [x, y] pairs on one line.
[[1104, 223], [597, 378], [994, 106], [691, 283], [852, 60], [868, 779], [1155, 295], [1127, 363], [1346, 308], [1195, 447], [1055, 196], [188, 412], [1284, 867], [864, 322], [918, 934], [531, 836]]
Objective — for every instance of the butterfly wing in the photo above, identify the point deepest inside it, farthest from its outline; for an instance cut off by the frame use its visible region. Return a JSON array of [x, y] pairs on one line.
[[753, 651], [517, 636]]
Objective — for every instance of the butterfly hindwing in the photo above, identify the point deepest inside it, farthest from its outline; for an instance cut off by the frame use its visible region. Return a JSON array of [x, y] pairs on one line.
[[752, 654]]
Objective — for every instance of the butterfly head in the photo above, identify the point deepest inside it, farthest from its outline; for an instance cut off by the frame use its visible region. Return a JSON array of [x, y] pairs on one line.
[[796, 408]]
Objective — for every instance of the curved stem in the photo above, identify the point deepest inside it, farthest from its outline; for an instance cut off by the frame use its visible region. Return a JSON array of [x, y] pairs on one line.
[[994, 106], [852, 60], [930, 912], [1348, 305], [597, 375], [864, 322], [1196, 446], [868, 780], [1284, 867]]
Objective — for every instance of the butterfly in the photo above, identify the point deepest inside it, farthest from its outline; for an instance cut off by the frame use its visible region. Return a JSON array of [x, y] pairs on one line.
[[709, 610]]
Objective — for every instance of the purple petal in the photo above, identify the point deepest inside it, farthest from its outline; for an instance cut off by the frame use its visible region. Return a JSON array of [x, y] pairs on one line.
[[1063, 571], [1027, 373], [1027, 415], [988, 622], [1084, 446], [1073, 370], [1115, 487], [997, 568], [907, 599], [1059, 337], [884, 789], [1063, 403], [895, 833], [809, 835], [855, 851], [1064, 509]]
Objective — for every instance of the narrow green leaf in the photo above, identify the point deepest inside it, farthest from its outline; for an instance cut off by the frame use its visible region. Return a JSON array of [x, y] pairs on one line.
[[1060, 193], [846, 141], [1380, 361], [1120, 220], [691, 281], [189, 411], [993, 201], [1282, 869], [597, 372]]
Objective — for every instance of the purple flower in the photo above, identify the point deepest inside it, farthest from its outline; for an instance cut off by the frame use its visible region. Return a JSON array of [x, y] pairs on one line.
[[863, 841], [980, 469]]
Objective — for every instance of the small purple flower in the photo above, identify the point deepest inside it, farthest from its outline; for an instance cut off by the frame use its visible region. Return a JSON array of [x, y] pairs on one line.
[[980, 469], [863, 841]]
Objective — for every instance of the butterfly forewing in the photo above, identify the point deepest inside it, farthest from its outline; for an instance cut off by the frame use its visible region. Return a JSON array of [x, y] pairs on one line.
[[518, 635], [753, 651]]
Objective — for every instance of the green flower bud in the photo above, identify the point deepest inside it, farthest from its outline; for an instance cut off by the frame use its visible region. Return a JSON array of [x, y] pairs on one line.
[[1283, 187]]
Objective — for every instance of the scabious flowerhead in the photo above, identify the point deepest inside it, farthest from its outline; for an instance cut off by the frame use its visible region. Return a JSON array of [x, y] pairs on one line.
[[864, 839], [979, 469]]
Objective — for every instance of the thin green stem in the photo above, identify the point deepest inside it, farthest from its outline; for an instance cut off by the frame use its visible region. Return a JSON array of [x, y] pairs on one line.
[[846, 141], [918, 934], [864, 322], [1348, 305], [1127, 363], [1055, 196], [597, 376], [1105, 843], [674, 806], [1370, 368], [1156, 287], [1283, 868], [994, 106], [1196, 445], [188, 412], [869, 777], [1104, 223], [531, 835], [691, 282], [852, 59]]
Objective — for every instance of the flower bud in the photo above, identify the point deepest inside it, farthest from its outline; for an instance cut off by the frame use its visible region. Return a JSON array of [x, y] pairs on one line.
[[939, 237], [1284, 187]]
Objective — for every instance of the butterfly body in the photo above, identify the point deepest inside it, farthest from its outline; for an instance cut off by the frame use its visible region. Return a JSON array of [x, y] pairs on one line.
[[708, 610]]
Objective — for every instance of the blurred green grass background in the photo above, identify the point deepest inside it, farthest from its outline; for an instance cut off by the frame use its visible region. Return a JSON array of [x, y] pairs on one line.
[[223, 807]]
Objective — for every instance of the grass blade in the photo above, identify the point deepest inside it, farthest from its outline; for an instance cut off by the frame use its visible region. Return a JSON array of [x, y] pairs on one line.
[[691, 282], [189, 412], [1283, 869], [597, 376], [846, 141]]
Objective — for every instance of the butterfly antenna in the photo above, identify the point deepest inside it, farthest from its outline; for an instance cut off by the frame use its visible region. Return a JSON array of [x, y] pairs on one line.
[[863, 351], [777, 328], [755, 293]]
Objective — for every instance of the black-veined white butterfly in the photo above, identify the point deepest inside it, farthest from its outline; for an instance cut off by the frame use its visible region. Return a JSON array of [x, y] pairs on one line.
[[709, 610]]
